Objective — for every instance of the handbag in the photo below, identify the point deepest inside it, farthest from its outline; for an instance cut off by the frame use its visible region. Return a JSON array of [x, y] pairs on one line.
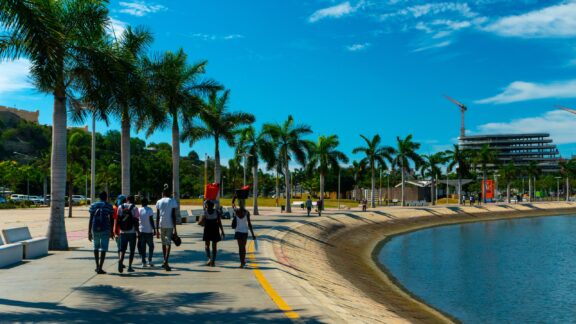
[[177, 240], [234, 222], [202, 220]]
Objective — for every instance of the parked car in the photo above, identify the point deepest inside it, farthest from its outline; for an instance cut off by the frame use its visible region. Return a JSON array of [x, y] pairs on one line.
[[37, 200], [79, 199], [17, 197]]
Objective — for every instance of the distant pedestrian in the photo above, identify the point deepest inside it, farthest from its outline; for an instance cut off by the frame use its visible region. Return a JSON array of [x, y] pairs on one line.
[[243, 224], [319, 207], [364, 205], [479, 197], [309, 205], [471, 200], [212, 230], [128, 221], [147, 233], [100, 229], [463, 200], [166, 222]]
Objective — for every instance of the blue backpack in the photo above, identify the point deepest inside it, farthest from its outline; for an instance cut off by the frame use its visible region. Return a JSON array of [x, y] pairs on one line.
[[101, 220]]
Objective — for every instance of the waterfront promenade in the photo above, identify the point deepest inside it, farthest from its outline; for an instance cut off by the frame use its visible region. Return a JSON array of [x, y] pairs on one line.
[[316, 269]]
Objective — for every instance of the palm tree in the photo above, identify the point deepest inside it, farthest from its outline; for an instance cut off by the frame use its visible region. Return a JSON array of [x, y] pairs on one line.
[[218, 123], [508, 173], [325, 157], [406, 152], [177, 89], [532, 171], [568, 169], [358, 168], [431, 168], [259, 147], [483, 158], [48, 33], [290, 144], [374, 153], [459, 159]]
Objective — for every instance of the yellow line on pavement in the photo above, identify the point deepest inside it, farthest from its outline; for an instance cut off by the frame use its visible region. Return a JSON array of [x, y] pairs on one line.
[[282, 305]]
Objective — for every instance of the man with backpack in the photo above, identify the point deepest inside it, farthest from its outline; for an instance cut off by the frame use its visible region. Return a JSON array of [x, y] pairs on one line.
[[308, 205], [100, 229], [127, 221], [166, 223]]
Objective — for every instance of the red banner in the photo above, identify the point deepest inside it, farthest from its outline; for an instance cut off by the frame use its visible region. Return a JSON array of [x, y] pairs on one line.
[[488, 189]]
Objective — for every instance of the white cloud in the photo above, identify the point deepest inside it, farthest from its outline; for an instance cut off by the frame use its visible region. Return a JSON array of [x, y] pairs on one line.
[[140, 8], [523, 91], [554, 21], [433, 46], [14, 75], [358, 47], [420, 11], [212, 37], [233, 36], [558, 123], [116, 27], [337, 11]]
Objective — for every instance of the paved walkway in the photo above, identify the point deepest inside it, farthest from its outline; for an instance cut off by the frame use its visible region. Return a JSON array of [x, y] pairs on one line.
[[64, 287]]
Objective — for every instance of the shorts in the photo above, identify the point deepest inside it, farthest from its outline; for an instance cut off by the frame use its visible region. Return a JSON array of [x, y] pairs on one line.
[[100, 240], [166, 235], [125, 239], [241, 236]]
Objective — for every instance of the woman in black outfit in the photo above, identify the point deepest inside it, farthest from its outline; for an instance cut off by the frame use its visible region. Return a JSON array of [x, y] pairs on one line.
[[212, 229]]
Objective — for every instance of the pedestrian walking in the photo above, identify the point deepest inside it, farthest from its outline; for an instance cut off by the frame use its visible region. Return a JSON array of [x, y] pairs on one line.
[[471, 200], [127, 220], [166, 222], [364, 204], [309, 205], [116, 230], [212, 229], [147, 233], [100, 229], [319, 207], [241, 225]]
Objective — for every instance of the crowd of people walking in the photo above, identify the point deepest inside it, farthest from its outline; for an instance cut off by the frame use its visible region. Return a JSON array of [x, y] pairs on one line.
[[134, 228]]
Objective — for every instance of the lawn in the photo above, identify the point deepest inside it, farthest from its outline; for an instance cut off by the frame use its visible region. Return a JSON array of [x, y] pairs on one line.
[[271, 202]]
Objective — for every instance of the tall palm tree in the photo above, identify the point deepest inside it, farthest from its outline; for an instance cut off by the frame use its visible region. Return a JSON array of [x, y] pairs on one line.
[[48, 33], [290, 145], [482, 158], [508, 173], [431, 168], [217, 123], [259, 147], [177, 88], [404, 153], [458, 159], [532, 170], [374, 153], [324, 157]]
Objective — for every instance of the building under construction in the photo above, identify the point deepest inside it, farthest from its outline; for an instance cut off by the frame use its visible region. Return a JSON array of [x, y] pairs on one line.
[[520, 149]]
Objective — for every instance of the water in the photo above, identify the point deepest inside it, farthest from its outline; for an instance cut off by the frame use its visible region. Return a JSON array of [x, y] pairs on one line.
[[510, 271]]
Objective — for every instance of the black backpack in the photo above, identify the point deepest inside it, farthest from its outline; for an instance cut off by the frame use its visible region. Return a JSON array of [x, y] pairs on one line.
[[127, 220], [101, 220]]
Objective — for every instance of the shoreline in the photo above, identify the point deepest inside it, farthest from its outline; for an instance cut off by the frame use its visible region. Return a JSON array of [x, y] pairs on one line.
[[349, 243]]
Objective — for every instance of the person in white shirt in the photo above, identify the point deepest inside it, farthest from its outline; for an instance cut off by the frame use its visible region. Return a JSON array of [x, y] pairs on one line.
[[243, 224], [166, 222], [147, 232]]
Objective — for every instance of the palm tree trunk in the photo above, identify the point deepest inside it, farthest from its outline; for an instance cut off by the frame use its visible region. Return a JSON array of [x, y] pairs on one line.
[[529, 189], [567, 189], [403, 202], [176, 161], [322, 188], [57, 239], [287, 181], [217, 171], [70, 193], [483, 191], [434, 193], [125, 154], [255, 190], [508, 191], [372, 201]]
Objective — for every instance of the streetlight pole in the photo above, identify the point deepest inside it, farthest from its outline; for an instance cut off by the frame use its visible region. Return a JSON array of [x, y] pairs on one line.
[[245, 155], [558, 188], [380, 190], [93, 161], [339, 186]]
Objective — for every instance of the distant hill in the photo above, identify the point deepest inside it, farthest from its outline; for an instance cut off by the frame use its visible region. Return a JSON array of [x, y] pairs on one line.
[[19, 135]]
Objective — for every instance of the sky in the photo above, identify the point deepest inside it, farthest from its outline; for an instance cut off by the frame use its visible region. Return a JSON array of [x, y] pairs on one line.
[[365, 67]]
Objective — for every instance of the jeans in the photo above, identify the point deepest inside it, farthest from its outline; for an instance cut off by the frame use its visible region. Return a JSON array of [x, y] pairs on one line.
[[125, 239], [146, 239]]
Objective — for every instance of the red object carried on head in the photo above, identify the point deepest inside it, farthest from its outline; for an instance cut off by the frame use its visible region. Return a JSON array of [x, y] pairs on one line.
[[211, 191], [245, 188]]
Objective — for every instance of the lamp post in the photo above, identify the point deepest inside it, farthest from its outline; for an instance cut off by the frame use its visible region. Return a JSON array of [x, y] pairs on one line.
[[93, 160], [558, 188], [245, 155], [338, 195], [387, 187], [380, 189], [496, 190]]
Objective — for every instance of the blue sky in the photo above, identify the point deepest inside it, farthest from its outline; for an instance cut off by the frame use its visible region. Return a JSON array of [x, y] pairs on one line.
[[367, 67]]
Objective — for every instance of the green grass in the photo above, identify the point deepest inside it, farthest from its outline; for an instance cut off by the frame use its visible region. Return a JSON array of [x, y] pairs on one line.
[[271, 202]]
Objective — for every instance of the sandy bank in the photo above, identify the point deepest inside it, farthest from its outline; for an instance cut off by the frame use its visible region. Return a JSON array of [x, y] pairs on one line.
[[334, 255]]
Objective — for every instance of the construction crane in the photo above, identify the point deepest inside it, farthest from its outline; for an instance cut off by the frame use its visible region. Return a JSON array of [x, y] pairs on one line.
[[570, 110], [462, 111]]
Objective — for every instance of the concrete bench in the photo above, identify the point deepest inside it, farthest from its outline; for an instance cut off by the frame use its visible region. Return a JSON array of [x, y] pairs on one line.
[[184, 216], [33, 247], [10, 253], [196, 213]]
